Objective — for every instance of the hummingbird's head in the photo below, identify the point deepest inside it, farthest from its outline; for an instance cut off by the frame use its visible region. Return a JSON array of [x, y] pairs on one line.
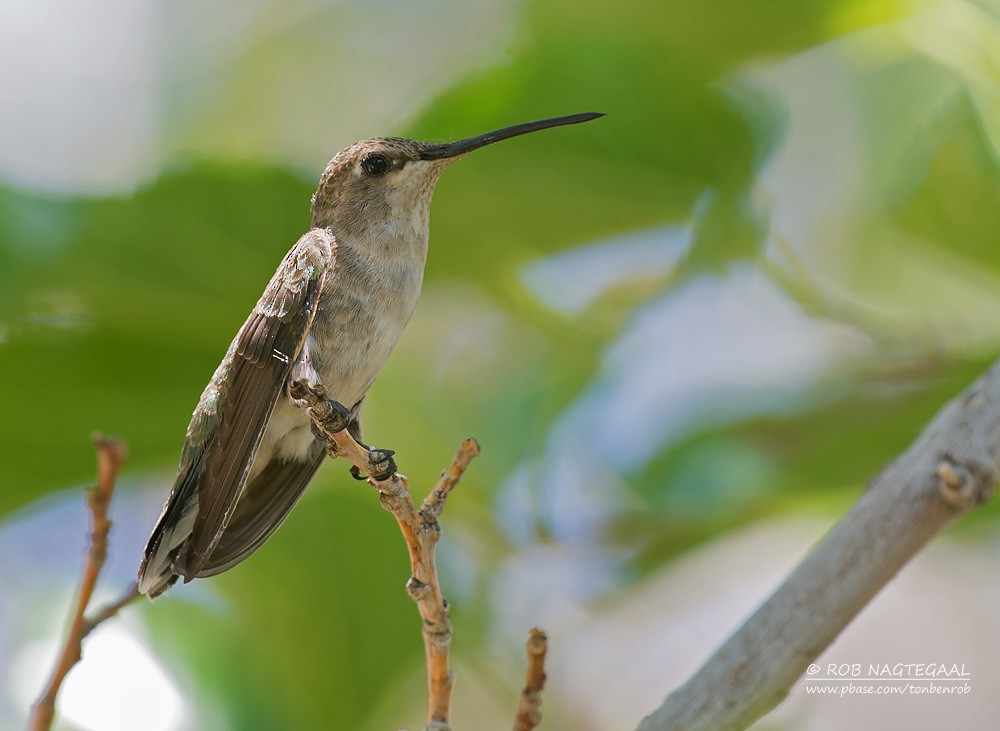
[[374, 187], [380, 189]]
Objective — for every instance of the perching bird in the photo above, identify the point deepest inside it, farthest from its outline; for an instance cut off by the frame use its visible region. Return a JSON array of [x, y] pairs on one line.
[[331, 314]]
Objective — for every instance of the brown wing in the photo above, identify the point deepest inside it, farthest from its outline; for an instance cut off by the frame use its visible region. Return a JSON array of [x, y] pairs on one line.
[[229, 422], [265, 503]]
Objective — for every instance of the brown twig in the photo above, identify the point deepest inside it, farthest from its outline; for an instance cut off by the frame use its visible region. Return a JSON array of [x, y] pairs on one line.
[[421, 532], [110, 610], [110, 455], [528, 716]]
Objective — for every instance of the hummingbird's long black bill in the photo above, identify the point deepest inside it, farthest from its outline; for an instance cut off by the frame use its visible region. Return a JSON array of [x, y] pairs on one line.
[[452, 149]]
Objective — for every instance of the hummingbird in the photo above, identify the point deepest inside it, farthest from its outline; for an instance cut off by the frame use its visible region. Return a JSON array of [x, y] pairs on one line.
[[331, 314]]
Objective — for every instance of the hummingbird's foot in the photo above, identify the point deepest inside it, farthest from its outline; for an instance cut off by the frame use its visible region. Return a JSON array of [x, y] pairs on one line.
[[381, 465], [337, 416], [334, 421]]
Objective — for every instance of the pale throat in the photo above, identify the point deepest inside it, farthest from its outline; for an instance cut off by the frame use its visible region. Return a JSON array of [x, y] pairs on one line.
[[409, 199]]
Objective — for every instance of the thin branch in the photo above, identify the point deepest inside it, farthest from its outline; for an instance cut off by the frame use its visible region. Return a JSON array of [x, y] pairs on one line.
[[110, 456], [433, 504], [421, 532], [528, 716], [950, 469], [110, 610]]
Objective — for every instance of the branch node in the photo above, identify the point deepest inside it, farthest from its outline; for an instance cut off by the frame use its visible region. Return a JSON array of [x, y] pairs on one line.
[[963, 486], [393, 493], [439, 632], [417, 589], [430, 527]]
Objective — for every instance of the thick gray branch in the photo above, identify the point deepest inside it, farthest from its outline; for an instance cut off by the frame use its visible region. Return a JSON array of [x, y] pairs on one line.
[[951, 468]]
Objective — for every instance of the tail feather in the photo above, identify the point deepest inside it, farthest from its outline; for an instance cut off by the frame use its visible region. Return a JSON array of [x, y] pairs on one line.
[[264, 505]]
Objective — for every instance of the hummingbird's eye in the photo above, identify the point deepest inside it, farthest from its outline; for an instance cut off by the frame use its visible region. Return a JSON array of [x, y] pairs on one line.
[[376, 164]]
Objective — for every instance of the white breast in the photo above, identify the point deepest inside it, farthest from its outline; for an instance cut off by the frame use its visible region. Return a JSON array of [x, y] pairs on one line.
[[361, 317]]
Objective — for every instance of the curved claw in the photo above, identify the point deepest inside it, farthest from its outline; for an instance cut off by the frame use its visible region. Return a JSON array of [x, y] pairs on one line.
[[381, 465]]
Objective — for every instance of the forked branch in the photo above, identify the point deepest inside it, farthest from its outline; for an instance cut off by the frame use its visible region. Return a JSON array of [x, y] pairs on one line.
[[421, 532], [110, 456]]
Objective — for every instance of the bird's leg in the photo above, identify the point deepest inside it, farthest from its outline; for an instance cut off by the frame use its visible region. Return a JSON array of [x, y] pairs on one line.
[[336, 417], [304, 381], [381, 465]]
